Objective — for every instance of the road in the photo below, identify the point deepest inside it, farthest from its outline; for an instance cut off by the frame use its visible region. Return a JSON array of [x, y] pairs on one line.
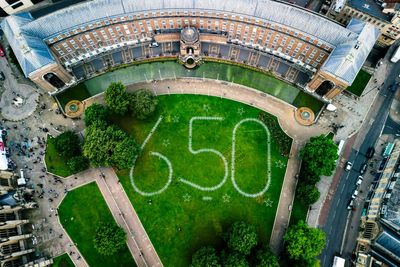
[[336, 221]]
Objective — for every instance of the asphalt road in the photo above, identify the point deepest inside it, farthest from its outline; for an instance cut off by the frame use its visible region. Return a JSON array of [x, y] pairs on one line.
[[336, 221]]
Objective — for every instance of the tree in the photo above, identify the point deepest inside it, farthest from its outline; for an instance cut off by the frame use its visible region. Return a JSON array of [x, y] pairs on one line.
[[109, 238], [117, 99], [109, 146], [96, 112], [143, 103], [78, 164], [234, 259], [320, 155], [265, 258], [304, 243], [205, 257], [67, 144], [241, 238], [307, 193]]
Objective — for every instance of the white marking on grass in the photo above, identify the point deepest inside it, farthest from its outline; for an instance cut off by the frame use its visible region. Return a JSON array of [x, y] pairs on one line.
[[151, 133], [268, 158]]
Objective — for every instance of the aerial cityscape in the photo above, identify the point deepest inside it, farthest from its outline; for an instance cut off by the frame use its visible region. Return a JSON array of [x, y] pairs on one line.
[[224, 133]]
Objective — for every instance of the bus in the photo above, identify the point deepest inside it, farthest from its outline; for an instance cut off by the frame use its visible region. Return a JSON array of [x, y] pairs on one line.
[[338, 262]]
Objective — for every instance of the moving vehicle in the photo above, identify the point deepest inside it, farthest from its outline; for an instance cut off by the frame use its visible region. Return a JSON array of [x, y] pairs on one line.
[[396, 55], [3, 157], [348, 167], [363, 168], [359, 180], [370, 152], [338, 262]]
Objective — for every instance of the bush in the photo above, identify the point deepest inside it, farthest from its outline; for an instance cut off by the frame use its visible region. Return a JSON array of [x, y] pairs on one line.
[[241, 238], [307, 193], [78, 164], [96, 112], [109, 239], [143, 104], [67, 144], [117, 99], [205, 257]]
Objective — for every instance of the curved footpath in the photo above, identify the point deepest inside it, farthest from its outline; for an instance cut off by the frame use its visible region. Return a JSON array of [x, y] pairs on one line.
[[282, 110]]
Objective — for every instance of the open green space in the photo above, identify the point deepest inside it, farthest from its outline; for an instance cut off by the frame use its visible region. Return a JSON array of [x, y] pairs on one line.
[[211, 70], [54, 162], [299, 212], [63, 261], [182, 218], [359, 83], [80, 213]]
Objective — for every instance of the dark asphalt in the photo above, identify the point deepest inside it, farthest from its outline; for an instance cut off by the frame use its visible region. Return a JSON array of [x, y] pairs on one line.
[[336, 221]]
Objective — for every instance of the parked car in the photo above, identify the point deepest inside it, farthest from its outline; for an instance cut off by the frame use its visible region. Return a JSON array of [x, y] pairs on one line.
[[153, 44], [351, 204], [359, 180], [2, 53], [2, 76], [370, 152], [348, 167], [355, 193], [363, 168]]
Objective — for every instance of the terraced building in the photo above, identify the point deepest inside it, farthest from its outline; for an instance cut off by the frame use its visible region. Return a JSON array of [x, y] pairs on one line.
[[67, 46]]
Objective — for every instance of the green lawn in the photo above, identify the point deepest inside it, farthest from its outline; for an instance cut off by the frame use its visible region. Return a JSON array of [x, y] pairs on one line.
[[80, 213], [359, 83], [54, 162], [63, 261], [299, 212], [182, 218], [212, 70]]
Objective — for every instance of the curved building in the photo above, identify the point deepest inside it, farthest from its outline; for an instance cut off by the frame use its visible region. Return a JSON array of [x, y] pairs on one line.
[[304, 48]]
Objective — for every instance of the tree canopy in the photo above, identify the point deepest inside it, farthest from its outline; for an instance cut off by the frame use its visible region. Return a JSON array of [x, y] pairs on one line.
[[265, 258], [205, 257], [96, 112], [78, 164], [241, 238], [304, 243], [117, 99], [142, 104], [109, 146], [320, 155], [109, 238], [67, 144], [235, 259], [308, 193]]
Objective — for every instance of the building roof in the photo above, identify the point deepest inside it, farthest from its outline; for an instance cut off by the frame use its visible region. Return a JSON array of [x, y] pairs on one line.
[[31, 52], [8, 199], [389, 243], [392, 214], [369, 7], [346, 59]]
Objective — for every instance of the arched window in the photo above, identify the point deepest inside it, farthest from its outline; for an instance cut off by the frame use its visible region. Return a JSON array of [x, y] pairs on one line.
[[54, 80], [324, 88]]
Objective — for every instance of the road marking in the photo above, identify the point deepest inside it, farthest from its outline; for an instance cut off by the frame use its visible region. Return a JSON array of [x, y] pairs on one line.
[[341, 191]]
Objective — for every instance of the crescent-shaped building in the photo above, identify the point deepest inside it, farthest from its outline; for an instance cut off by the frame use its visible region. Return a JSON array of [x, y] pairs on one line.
[[75, 43]]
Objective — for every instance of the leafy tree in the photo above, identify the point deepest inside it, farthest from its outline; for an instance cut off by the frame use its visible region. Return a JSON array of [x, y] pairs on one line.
[[96, 112], [143, 103], [109, 239], [265, 258], [205, 257], [234, 259], [320, 155], [103, 144], [307, 193], [67, 144], [304, 243], [117, 99], [78, 164], [241, 238]]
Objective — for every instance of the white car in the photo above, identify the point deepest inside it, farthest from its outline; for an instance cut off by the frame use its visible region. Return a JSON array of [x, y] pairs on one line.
[[351, 204], [354, 194], [348, 167], [359, 180]]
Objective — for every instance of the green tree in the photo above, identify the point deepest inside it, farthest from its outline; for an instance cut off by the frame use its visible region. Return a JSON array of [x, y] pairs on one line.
[[96, 112], [117, 99], [103, 144], [265, 258], [78, 164], [143, 103], [234, 259], [205, 257], [307, 193], [241, 238], [320, 155], [304, 243], [109, 238], [67, 144]]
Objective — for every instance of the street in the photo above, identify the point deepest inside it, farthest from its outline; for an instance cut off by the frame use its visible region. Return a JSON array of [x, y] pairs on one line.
[[338, 215]]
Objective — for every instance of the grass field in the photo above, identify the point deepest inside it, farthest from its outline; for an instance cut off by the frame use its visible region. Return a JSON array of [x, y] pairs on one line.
[[54, 162], [81, 222], [182, 218], [359, 83], [212, 70], [63, 261]]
